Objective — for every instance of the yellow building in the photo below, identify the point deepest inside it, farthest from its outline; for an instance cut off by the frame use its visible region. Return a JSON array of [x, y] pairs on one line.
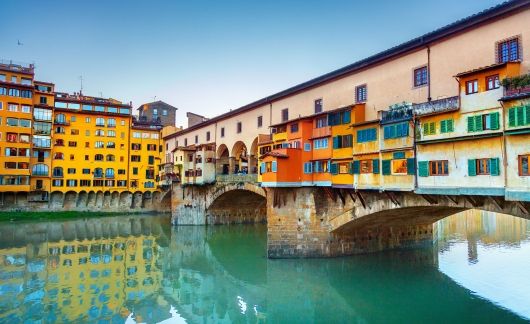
[[16, 102], [146, 153], [90, 144], [41, 163]]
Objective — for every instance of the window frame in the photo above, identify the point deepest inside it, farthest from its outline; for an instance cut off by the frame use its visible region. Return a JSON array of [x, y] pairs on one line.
[[475, 86], [520, 165], [496, 82], [364, 96], [423, 71], [444, 164]]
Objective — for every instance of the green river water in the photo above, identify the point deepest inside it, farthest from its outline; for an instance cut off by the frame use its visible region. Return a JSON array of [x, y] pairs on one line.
[[139, 269]]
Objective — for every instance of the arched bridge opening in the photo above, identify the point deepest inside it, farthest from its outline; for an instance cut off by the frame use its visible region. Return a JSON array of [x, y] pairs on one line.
[[238, 206]]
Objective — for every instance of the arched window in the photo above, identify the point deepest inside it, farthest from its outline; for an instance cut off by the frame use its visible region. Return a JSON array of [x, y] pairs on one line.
[[100, 121], [57, 172], [98, 173], [98, 157], [40, 170], [109, 173], [58, 156], [111, 122], [110, 158]]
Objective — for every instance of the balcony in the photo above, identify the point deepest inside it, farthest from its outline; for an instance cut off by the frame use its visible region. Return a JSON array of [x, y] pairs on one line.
[[436, 106], [279, 136], [516, 86], [38, 188], [397, 113], [321, 132], [61, 122]]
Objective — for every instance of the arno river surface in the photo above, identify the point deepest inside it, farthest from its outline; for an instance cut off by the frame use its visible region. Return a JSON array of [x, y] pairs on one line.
[[139, 269]]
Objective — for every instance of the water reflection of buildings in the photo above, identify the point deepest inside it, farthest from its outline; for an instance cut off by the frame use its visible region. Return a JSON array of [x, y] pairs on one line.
[[83, 280], [484, 228]]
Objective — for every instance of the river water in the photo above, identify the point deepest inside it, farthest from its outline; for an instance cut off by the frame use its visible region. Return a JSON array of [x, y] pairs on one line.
[[139, 269]]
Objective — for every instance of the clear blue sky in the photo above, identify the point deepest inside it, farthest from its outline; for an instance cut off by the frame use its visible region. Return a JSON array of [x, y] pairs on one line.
[[208, 56]]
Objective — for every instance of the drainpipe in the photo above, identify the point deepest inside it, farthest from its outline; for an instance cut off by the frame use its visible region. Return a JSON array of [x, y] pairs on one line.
[[504, 151], [428, 74]]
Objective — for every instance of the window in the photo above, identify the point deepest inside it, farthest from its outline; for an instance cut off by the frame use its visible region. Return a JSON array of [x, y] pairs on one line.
[[294, 128], [321, 143], [185, 142], [318, 106], [25, 81], [164, 112], [321, 122], [447, 126], [524, 171], [137, 135], [307, 147], [360, 93], [58, 172], [207, 136], [421, 76], [71, 183], [98, 157], [136, 146], [196, 139], [342, 141], [72, 144], [492, 82], [519, 116], [2, 77], [260, 121], [366, 166], [26, 94], [109, 173], [100, 121], [433, 168], [71, 171], [84, 183], [86, 171], [43, 100], [121, 171], [471, 87], [135, 171], [12, 137], [111, 133], [396, 130], [151, 159], [151, 147], [11, 121], [308, 167], [399, 167], [366, 135], [483, 122], [12, 107], [40, 170], [98, 173], [222, 135], [110, 158], [508, 50], [58, 156], [135, 158], [99, 144], [339, 118], [285, 114], [155, 111], [429, 128], [111, 122], [57, 183], [14, 92], [42, 114], [239, 127], [483, 167]]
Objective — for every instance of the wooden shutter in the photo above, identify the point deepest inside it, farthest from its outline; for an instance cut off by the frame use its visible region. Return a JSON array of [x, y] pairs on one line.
[[472, 167], [423, 168], [426, 129], [520, 116], [386, 167], [527, 110], [335, 142], [411, 166], [450, 125], [274, 166], [511, 117], [494, 120], [478, 123], [375, 166], [443, 126], [262, 167], [346, 117], [432, 128], [356, 167], [470, 124], [334, 168], [494, 167]]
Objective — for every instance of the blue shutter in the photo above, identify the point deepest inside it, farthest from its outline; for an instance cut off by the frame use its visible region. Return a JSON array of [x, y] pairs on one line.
[[405, 129], [336, 142], [387, 132], [346, 117], [262, 168], [387, 170], [356, 168], [334, 168], [360, 137], [274, 166], [375, 166], [411, 166], [472, 167], [329, 165], [494, 167], [423, 168]]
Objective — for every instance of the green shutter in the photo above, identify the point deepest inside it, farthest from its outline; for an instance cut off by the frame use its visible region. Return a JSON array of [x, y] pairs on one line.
[[511, 117], [472, 167], [432, 128], [450, 126], [527, 110], [423, 168], [494, 167], [470, 124], [425, 129], [520, 116], [375, 166], [334, 168], [494, 120], [356, 167], [386, 167], [411, 166], [478, 123], [443, 126]]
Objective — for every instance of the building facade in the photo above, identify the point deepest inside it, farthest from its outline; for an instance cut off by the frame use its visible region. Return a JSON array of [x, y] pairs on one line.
[[157, 112], [420, 116]]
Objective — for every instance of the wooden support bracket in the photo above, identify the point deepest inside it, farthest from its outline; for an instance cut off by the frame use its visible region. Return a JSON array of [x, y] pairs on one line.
[[454, 200], [496, 203], [522, 207], [393, 198], [431, 200], [472, 201], [351, 195], [341, 196], [360, 196]]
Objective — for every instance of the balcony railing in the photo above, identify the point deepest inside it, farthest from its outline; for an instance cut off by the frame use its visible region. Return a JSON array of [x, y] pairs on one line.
[[516, 85], [436, 106], [61, 122], [322, 131], [397, 113]]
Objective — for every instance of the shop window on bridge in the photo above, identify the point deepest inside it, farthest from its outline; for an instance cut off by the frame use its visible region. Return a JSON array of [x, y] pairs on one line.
[[523, 165], [483, 167], [341, 168], [321, 166], [84, 183]]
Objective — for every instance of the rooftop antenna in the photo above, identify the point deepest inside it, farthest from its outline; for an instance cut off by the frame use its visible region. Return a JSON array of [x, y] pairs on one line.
[[101, 94], [81, 79], [19, 43]]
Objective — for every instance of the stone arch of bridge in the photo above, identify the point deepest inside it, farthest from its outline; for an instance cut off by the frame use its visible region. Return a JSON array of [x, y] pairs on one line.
[[378, 210], [237, 203]]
